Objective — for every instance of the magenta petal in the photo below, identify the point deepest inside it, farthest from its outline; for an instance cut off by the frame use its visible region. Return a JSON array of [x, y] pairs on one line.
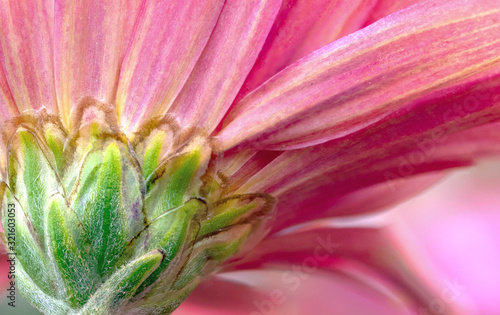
[[90, 41], [310, 202], [420, 52], [228, 57], [167, 42], [303, 205], [26, 56]]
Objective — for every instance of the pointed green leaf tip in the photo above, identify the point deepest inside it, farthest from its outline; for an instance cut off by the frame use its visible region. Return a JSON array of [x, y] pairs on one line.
[[106, 225], [104, 217], [69, 258], [122, 285]]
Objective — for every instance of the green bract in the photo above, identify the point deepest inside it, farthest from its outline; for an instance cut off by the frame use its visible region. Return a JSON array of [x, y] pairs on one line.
[[106, 223]]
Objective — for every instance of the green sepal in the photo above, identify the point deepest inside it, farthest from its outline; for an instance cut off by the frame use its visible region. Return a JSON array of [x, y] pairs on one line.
[[46, 303], [164, 303], [224, 219], [121, 286], [104, 218], [213, 248], [171, 185], [56, 146], [65, 240], [169, 232], [82, 184], [39, 181], [12, 168], [233, 210], [152, 154], [27, 247]]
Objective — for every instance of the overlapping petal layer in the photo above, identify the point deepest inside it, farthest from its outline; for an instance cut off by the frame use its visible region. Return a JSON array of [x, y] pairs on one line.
[[211, 298], [299, 206], [364, 77]]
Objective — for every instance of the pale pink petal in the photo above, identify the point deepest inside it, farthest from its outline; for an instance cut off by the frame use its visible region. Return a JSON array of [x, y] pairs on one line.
[[422, 52], [228, 57], [26, 56], [355, 252], [301, 27], [454, 233], [168, 40], [90, 41]]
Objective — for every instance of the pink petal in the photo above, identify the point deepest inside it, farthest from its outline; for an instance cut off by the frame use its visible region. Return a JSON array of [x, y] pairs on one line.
[[228, 57], [361, 252], [8, 108], [168, 40], [301, 27], [364, 77], [90, 41], [27, 76]]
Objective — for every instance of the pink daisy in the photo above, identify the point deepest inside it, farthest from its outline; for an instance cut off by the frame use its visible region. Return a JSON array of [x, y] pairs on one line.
[[153, 148]]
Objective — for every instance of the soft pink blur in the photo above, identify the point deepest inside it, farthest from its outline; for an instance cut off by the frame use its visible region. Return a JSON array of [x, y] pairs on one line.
[[452, 233]]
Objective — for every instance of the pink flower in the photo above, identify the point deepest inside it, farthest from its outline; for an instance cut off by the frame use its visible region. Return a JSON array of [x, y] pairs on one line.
[[332, 108]]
